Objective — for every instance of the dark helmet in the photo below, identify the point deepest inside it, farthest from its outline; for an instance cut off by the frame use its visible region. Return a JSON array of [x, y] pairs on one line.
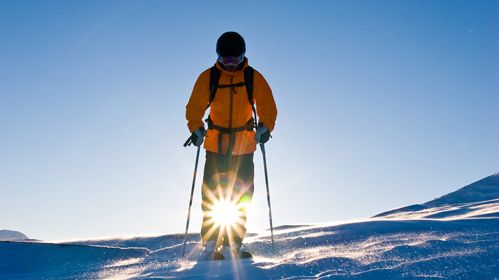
[[231, 44]]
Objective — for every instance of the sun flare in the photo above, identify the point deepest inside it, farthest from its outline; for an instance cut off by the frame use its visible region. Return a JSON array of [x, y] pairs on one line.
[[225, 213], [225, 204]]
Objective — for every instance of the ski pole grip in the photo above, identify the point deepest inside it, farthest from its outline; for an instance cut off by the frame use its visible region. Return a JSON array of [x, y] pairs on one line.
[[188, 142]]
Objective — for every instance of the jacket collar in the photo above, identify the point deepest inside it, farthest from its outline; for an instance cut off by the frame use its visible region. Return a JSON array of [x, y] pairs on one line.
[[225, 72]]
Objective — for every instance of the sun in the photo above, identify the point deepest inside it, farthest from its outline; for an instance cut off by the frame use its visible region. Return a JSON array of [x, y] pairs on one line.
[[225, 213]]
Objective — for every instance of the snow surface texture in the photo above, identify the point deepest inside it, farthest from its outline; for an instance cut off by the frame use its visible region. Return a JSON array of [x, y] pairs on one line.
[[453, 237]]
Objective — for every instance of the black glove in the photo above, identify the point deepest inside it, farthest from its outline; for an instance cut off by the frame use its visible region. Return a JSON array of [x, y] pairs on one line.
[[262, 134], [197, 136]]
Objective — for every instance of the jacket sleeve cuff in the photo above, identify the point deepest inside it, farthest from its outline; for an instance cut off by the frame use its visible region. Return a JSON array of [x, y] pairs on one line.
[[194, 125], [269, 125]]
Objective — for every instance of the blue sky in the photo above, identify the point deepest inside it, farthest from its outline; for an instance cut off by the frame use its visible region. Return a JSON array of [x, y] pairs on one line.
[[381, 104]]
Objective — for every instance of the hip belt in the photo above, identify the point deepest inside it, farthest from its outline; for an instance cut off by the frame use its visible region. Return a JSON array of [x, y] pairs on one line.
[[230, 131]]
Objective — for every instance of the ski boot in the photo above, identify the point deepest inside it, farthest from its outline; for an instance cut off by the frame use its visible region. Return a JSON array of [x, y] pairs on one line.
[[211, 252], [235, 252]]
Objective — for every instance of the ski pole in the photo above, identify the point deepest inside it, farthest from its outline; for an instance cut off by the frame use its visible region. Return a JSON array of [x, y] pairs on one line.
[[262, 147], [192, 194]]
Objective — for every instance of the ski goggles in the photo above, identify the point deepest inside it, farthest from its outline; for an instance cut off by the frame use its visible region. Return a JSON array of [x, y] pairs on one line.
[[231, 60]]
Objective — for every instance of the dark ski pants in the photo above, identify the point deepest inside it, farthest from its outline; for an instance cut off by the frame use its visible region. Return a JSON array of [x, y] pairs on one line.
[[226, 177]]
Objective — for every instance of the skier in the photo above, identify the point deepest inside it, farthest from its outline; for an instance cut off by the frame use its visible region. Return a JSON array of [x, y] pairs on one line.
[[231, 89]]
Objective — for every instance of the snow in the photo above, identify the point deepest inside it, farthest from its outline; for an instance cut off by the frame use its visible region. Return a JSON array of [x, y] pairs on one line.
[[480, 198], [11, 235], [452, 237]]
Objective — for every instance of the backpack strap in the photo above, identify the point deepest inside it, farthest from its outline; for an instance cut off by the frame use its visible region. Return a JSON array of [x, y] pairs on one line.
[[214, 78], [249, 76]]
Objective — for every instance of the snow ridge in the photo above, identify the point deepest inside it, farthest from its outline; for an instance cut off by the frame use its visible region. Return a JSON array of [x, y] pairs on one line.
[[478, 199], [11, 235]]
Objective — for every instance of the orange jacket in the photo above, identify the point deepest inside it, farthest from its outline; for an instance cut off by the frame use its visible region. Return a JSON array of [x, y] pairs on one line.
[[225, 102]]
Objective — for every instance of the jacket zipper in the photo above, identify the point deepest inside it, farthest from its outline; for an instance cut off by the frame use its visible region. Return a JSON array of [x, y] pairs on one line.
[[231, 101], [231, 134]]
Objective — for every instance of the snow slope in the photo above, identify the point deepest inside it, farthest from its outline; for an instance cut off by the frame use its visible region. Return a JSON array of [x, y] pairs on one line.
[[453, 237], [479, 199], [11, 235]]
